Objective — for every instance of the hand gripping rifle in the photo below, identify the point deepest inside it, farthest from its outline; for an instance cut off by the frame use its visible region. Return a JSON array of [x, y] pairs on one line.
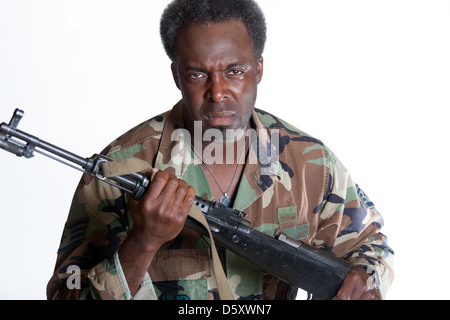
[[290, 260]]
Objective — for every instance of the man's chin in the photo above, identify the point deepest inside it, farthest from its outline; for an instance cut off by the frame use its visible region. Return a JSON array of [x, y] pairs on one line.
[[222, 133]]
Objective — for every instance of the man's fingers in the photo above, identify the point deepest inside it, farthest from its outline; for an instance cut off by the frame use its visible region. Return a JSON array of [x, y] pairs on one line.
[[175, 195], [157, 185], [180, 192], [188, 200], [355, 287], [370, 295], [345, 292]]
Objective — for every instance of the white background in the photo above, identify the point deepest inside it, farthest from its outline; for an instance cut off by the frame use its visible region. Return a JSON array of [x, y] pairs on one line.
[[369, 78]]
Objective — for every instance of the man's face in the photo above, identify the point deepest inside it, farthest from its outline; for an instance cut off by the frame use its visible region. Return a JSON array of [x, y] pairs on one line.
[[216, 70]]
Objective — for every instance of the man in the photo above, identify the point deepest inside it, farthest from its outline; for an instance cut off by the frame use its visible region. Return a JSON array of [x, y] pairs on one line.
[[140, 249]]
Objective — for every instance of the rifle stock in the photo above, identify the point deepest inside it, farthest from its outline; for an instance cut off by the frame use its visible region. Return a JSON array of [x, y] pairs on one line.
[[294, 262]]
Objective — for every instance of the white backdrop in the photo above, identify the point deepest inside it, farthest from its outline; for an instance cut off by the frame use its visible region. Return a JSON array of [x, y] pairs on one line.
[[369, 78]]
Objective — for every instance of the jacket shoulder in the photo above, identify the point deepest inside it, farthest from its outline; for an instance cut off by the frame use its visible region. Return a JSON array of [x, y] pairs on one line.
[[272, 122], [138, 135]]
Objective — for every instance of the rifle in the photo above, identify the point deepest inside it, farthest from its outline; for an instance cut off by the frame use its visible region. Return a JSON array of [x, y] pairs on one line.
[[290, 260]]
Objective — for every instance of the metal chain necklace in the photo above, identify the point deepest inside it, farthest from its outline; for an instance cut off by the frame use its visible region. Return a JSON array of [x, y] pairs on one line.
[[225, 199]]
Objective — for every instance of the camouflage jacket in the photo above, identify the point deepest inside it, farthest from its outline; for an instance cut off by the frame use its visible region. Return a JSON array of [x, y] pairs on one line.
[[304, 190]]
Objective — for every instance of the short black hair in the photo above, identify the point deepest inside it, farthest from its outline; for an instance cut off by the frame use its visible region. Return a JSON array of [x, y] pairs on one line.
[[182, 12]]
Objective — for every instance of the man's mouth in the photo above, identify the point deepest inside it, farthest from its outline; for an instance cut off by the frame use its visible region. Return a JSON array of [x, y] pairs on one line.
[[220, 118]]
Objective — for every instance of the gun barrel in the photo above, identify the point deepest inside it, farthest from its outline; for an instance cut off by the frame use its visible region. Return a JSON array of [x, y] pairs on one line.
[[32, 142]]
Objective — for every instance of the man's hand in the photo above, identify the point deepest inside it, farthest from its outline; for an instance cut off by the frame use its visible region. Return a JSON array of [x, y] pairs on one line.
[[158, 217], [161, 213], [357, 286]]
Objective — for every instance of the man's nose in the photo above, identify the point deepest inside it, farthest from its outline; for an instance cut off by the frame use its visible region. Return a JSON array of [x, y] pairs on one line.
[[218, 89]]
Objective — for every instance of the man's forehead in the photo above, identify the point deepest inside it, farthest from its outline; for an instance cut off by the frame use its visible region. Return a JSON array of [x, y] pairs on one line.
[[197, 41]]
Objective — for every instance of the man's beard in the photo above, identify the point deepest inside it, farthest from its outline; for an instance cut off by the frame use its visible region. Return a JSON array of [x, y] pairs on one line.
[[231, 132], [227, 134]]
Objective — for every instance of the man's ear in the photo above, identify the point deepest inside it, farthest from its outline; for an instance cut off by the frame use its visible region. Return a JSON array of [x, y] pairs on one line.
[[260, 67], [173, 66]]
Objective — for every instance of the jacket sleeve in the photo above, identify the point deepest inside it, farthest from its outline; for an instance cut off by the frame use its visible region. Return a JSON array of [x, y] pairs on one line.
[[350, 227], [88, 265]]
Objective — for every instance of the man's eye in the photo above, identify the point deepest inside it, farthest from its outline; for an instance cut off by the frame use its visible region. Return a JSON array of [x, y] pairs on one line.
[[236, 72], [196, 75]]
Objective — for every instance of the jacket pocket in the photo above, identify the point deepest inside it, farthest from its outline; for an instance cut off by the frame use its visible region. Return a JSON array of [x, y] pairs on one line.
[[289, 223], [181, 274]]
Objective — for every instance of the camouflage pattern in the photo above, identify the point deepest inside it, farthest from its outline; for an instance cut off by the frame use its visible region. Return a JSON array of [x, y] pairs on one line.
[[305, 191]]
